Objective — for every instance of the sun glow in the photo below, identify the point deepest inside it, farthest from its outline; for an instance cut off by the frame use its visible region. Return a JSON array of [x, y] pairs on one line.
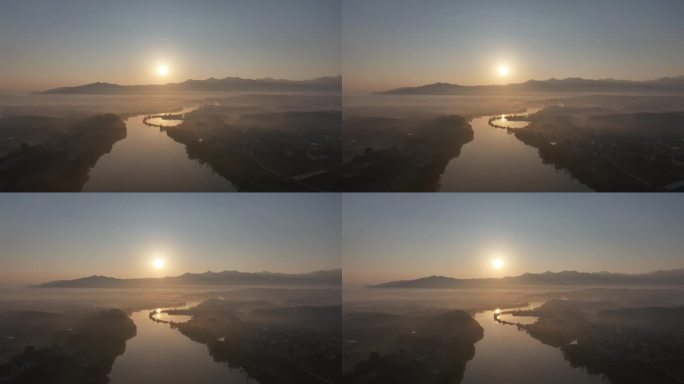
[[503, 70], [158, 263], [163, 70], [497, 263]]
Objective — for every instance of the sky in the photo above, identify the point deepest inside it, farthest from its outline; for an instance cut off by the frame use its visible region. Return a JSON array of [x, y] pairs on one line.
[[45, 237], [50, 43], [394, 43], [389, 237]]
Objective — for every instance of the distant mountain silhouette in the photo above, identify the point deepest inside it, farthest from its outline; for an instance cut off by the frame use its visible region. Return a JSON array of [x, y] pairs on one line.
[[669, 277], [228, 84], [327, 277], [571, 84]]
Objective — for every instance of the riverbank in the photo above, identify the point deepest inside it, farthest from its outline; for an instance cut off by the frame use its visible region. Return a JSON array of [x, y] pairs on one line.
[[494, 360], [168, 119], [383, 154], [297, 151], [54, 155], [625, 343], [271, 344], [389, 348], [159, 353], [72, 347], [616, 152], [148, 161], [508, 119], [495, 161]]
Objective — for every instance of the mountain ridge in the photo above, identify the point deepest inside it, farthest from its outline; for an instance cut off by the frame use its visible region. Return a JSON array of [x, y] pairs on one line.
[[570, 84], [321, 277], [662, 277], [227, 84]]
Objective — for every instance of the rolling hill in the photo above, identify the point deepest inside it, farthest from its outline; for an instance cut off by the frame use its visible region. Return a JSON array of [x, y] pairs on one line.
[[228, 84], [572, 84], [327, 277], [668, 277]]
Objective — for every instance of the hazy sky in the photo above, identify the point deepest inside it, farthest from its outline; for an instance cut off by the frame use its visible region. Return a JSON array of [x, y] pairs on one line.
[[47, 43], [391, 43], [55, 236], [405, 236]]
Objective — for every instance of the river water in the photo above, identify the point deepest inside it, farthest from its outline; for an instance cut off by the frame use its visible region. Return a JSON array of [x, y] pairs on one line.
[[508, 355], [147, 160], [496, 161], [160, 354]]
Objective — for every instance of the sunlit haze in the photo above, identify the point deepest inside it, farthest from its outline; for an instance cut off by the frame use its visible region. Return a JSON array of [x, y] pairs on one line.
[[66, 236], [395, 43], [163, 70], [405, 236], [159, 263], [498, 263], [47, 44], [503, 70]]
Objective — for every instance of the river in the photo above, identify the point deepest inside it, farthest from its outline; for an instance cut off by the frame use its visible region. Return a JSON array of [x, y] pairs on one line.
[[509, 355], [496, 161], [147, 160], [160, 354]]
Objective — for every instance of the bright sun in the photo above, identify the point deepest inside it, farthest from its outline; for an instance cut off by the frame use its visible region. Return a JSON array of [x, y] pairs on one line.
[[503, 70], [163, 70], [158, 263], [497, 263]]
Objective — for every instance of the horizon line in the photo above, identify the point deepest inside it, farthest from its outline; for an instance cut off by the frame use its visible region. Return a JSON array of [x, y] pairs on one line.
[[525, 273], [197, 273], [178, 82], [381, 90]]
